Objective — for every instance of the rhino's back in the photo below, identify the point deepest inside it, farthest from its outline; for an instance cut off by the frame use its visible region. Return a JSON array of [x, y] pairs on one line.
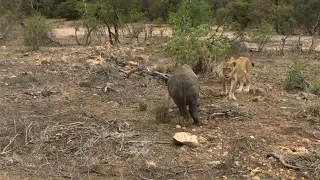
[[184, 78]]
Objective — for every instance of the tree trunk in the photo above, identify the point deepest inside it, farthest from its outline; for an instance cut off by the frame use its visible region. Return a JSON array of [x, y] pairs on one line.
[[277, 21], [110, 35], [116, 34]]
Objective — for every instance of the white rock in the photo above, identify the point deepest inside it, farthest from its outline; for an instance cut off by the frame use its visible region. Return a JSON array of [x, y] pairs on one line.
[[184, 138], [3, 48], [178, 126]]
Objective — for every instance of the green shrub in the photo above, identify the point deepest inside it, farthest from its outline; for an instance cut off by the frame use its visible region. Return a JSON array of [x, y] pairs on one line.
[[36, 31], [296, 77], [262, 35], [68, 9], [190, 15], [196, 49], [6, 19], [314, 81]]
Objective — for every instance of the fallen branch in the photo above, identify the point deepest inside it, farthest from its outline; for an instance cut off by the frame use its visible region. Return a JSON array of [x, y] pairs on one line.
[[224, 113], [155, 142], [149, 72], [5, 151], [52, 40], [280, 158]]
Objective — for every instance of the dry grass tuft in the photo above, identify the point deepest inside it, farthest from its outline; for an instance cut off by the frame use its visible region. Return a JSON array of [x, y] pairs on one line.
[[313, 109], [161, 113], [142, 105]]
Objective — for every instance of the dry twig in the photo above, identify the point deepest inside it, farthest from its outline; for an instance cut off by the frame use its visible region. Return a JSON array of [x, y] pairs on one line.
[[5, 151], [149, 72]]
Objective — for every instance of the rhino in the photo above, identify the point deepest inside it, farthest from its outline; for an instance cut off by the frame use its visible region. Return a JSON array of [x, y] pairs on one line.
[[183, 88]]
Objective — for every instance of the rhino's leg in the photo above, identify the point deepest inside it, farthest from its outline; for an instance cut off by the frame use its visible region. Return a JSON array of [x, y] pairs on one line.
[[182, 106], [193, 110]]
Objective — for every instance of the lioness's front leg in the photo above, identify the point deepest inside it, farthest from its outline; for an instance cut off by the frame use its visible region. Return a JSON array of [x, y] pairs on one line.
[[224, 87], [232, 89]]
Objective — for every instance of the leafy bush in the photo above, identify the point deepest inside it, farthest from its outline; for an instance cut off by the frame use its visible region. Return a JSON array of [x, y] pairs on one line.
[[6, 19], [36, 31], [68, 9], [299, 77], [190, 15], [315, 81], [296, 77], [262, 35], [196, 49], [89, 22]]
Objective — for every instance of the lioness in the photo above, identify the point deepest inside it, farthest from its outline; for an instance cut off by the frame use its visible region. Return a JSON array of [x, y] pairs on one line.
[[183, 87], [234, 71]]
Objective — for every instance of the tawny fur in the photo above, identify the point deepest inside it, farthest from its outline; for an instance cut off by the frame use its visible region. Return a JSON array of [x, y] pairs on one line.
[[235, 71]]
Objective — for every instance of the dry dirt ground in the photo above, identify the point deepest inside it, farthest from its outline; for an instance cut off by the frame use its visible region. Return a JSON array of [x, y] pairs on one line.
[[57, 122]]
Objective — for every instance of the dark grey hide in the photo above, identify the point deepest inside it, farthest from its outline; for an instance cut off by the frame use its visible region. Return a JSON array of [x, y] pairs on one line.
[[183, 87]]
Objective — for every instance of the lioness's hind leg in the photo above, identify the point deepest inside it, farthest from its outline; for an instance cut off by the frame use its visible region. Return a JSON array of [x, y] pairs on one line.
[[248, 85], [241, 86]]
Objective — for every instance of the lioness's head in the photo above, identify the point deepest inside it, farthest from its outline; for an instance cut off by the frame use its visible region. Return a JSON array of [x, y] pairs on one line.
[[228, 67]]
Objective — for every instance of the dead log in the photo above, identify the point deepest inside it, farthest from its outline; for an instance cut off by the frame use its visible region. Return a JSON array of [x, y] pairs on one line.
[[280, 158], [150, 72], [52, 40]]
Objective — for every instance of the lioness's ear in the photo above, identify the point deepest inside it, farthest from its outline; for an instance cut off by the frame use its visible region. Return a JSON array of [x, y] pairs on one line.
[[234, 64], [232, 59]]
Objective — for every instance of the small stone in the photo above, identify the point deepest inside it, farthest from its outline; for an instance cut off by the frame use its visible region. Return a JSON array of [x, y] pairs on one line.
[[260, 91], [3, 48], [178, 126], [237, 164], [202, 140], [305, 140], [151, 164], [225, 153], [184, 128], [193, 130], [256, 98], [252, 137], [214, 163], [65, 58], [255, 171]]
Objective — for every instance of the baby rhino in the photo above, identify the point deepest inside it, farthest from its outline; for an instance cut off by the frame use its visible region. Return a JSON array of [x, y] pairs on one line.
[[183, 87]]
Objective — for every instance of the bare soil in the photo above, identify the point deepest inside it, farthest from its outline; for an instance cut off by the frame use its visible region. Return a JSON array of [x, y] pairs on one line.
[[57, 122]]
